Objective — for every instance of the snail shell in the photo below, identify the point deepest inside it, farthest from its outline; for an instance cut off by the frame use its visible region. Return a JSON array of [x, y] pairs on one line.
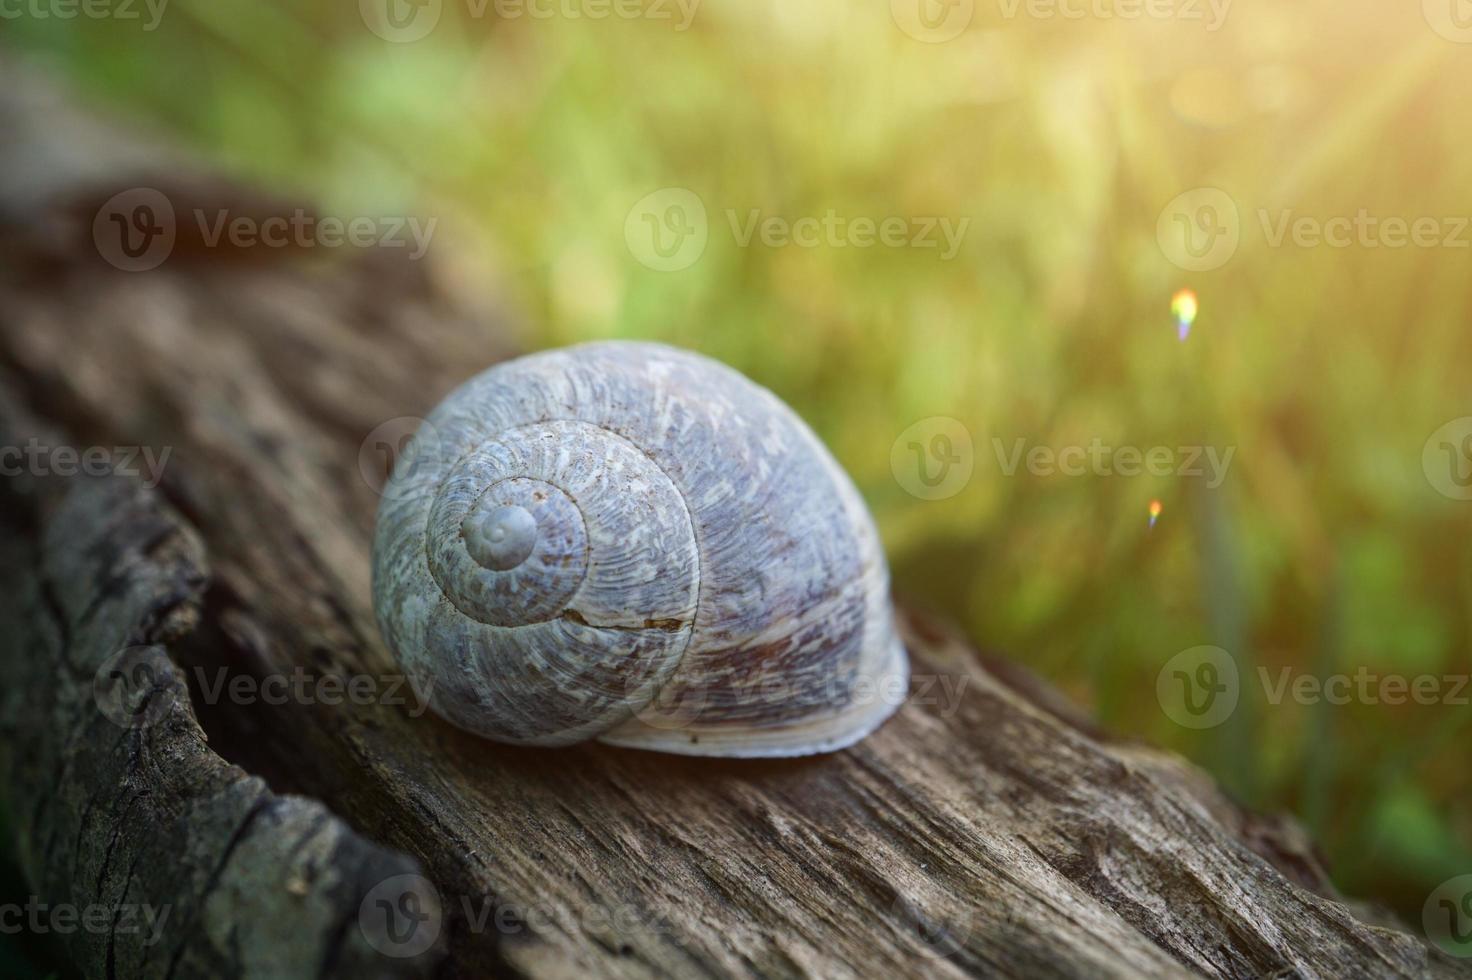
[[633, 543]]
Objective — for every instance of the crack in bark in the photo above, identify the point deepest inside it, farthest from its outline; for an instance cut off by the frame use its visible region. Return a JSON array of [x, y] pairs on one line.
[[199, 900]]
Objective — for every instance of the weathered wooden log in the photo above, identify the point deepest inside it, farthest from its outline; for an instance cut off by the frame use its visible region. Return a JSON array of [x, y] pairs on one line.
[[194, 866], [985, 830]]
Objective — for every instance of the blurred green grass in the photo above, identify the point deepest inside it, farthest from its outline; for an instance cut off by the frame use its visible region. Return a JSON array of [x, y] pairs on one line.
[[1325, 549]]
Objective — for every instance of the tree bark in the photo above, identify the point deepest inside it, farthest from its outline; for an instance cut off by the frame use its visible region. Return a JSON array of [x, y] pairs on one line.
[[985, 830]]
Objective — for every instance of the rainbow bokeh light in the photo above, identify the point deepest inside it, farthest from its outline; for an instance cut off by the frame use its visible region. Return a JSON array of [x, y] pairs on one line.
[[1183, 307]]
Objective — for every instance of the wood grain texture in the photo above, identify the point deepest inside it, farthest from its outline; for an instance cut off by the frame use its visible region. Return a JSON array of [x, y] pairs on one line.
[[983, 831]]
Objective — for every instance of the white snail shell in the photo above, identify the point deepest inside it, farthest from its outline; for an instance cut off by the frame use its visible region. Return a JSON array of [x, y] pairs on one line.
[[633, 543]]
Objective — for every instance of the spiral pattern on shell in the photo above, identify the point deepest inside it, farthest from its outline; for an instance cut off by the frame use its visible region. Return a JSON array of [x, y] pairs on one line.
[[635, 543]]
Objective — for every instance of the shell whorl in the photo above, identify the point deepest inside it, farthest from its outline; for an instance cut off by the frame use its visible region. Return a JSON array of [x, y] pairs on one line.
[[628, 541]]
